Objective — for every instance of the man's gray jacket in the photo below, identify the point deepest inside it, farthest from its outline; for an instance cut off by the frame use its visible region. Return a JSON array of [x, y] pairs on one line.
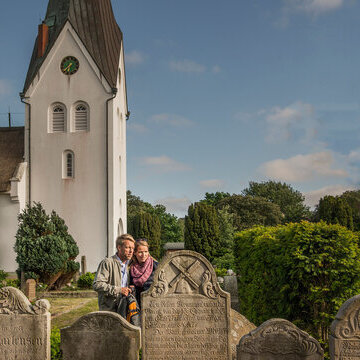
[[107, 283]]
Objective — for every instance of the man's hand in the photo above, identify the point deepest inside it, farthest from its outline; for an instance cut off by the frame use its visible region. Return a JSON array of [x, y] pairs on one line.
[[125, 291]]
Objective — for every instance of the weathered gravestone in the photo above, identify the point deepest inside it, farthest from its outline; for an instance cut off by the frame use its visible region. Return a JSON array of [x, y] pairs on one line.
[[24, 328], [230, 285], [239, 326], [279, 339], [344, 336], [30, 289], [101, 335], [186, 315]]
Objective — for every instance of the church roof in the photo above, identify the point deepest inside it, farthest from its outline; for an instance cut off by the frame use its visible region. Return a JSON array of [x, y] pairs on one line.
[[11, 154], [95, 24]]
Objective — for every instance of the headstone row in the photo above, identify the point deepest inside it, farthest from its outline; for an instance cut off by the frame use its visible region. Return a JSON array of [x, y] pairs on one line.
[[186, 316]]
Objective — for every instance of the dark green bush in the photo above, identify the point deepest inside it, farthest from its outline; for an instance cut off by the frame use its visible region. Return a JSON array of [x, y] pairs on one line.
[[56, 353], [45, 250], [85, 281], [301, 272]]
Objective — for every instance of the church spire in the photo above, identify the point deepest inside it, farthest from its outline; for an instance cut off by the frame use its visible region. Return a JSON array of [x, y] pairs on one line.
[[95, 24]]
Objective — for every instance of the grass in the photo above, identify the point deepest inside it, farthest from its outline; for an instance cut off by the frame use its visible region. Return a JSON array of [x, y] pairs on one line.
[[65, 311]]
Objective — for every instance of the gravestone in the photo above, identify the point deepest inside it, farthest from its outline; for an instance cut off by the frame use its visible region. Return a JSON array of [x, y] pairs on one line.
[[83, 265], [344, 336], [239, 326], [24, 328], [101, 335], [30, 289], [278, 339], [186, 315], [230, 285]]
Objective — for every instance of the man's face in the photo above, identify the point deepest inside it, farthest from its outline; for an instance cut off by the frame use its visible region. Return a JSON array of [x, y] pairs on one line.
[[126, 250]]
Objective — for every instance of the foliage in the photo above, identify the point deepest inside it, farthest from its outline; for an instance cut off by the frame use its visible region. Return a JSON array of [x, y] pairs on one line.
[[3, 275], [353, 200], [220, 271], [85, 281], [12, 282], [44, 248], [290, 201], [301, 272], [214, 198], [249, 211], [146, 225], [334, 210], [202, 231], [171, 227], [56, 353]]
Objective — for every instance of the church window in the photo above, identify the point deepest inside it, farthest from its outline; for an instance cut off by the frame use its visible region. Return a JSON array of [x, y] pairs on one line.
[[58, 118], [81, 117], [68, 164]]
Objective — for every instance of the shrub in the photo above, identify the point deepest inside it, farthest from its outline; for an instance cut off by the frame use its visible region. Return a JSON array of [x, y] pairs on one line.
[[85, 281], [45, 250], [56, 353], [301, 272]]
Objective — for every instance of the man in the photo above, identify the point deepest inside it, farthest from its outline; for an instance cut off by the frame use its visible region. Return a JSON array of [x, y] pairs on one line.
[[112, 277]]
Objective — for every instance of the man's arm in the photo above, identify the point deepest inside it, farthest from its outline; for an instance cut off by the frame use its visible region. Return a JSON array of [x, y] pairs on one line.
[[101, 281]]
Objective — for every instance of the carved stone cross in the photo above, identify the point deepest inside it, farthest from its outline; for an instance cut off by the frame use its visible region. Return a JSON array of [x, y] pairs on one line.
[[185, 273]]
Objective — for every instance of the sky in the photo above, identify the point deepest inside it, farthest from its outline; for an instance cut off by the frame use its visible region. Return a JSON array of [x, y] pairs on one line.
[[224, 92]]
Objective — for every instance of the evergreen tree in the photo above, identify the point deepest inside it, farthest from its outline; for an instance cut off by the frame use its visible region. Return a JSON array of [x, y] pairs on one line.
[[334, 210], [146, 225], [202, 231]]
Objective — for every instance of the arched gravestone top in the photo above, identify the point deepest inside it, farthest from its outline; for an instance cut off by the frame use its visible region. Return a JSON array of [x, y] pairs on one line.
[[279, 339], [100, 335], [24, 328], [344, 336], [185, 313]]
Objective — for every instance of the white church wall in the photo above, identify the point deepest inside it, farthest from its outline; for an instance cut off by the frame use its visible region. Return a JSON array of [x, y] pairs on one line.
[[80, 201], [9, 211]]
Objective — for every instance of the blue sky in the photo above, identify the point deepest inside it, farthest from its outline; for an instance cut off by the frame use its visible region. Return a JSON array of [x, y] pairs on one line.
[[224, 92]]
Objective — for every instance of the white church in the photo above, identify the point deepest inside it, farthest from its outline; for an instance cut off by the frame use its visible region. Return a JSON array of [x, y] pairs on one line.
[[71, 154]]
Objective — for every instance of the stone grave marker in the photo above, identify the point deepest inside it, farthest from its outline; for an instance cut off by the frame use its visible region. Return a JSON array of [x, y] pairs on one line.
[[30, 289], [344, 339], [186, 315], [279, 339], [231, 286], [239, 326], [83, 265], [24, 328], [101, 335]]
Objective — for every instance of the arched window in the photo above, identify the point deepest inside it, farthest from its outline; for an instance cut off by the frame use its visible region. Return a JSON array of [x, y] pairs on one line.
[[81, 117], [58, 118], [68, 165]]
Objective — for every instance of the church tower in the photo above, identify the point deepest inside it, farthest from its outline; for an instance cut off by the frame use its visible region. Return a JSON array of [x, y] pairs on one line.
[[75, 123]]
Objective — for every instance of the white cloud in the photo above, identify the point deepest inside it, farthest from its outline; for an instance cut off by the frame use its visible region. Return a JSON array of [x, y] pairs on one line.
[[138, 128], [171, 119], [312, 7], [302, 168], [216, 69], [354, 157], [5, 87], [177, 206], [134, 58], [284, 123], [164, 164], [187, 66], [212, 183], [312, 197]]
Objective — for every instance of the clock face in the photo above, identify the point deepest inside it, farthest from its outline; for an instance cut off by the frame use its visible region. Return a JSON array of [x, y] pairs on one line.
[[69, 65]]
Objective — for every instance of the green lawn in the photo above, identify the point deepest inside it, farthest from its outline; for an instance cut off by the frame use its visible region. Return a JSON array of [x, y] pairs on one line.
[[65, 311]]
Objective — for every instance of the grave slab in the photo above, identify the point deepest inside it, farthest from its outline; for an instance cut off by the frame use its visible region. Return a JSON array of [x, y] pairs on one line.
[[344, 339], [279, 339], [186, 315], [101, 335], [24, 328]]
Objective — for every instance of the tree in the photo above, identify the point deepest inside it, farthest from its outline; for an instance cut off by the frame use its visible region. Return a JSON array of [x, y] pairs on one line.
[[214, 198], [334, 210], [353, 200], [290, 201], [146, 225], [249, 211], [45, 250], [202, 231]]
